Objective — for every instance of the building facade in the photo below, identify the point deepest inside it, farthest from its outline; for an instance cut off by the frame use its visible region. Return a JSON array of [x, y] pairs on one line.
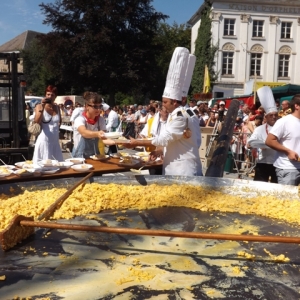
[[257, 40]]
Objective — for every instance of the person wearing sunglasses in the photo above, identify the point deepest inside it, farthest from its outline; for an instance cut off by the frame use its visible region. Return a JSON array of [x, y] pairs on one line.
[[89, 127]]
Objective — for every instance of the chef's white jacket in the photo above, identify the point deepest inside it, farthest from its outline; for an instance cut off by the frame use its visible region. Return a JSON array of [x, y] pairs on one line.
[[266, 155], [112, 121], [194, 125], [181, 155]]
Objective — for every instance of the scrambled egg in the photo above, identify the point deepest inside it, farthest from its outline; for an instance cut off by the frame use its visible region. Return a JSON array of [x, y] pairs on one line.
[[29, 204], [95, 197]]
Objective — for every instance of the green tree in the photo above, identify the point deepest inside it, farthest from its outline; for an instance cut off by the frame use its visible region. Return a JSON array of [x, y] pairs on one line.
[[167, 39], [106, 46], [204, 50], [37, 75]]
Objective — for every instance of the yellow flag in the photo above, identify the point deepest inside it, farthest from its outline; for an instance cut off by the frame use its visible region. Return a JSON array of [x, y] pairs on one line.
[[206, 83]]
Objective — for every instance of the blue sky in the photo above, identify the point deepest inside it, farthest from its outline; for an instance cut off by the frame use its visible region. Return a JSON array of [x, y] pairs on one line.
[[18, 16]]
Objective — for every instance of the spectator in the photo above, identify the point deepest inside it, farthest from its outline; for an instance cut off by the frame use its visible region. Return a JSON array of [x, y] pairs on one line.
[[192, 103], [203, 116], [63, 111], [142, 121], [284, 137], [130, 125], [237, 146], [215, 108], [285, 109], [211, 122], [137, 114], [47, 114], [69, 110], [222, 110]]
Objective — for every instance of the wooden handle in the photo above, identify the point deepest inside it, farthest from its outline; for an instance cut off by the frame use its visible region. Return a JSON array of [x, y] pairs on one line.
[[182, 234], [51, 209]]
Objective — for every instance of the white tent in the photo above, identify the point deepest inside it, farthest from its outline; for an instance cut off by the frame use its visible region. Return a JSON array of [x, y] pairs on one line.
[[69, 99]]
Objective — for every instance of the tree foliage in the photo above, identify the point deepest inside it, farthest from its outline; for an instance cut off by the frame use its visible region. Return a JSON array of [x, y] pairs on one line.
[[105, 46], [38, 76], [204, 50], [168, 37]]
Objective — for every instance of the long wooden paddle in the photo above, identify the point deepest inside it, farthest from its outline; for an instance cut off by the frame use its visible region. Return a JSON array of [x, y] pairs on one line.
[[14, 233], [217, 163]]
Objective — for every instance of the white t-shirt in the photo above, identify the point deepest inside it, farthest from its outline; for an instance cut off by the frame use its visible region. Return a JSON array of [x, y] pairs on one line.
[[237, 145], [112, 121], [79, 121], [287, 131], [76, 112]]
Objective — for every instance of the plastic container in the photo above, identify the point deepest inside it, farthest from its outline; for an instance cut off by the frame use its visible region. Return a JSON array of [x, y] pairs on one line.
[[101, 147], [229, 163]]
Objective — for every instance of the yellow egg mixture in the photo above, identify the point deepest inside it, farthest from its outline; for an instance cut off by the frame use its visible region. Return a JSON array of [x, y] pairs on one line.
[[95, 197]]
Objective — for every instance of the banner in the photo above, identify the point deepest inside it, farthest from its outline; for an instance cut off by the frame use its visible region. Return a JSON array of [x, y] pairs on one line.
[[253, 85], [265, 83], [206, 83], [242, 99]]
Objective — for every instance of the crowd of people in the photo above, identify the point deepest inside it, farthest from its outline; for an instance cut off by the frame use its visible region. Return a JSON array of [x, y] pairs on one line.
[[171, 128]]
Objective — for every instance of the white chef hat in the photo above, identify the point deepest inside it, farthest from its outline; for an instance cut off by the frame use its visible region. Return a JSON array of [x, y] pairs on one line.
[[266, 99], [188, 75], [105, 107], [176, 74]]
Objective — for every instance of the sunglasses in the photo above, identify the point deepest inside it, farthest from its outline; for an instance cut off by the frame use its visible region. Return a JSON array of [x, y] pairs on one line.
[[95, 106]]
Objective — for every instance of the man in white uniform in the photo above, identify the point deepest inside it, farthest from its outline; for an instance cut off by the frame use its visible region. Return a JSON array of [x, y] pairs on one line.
[[112, 123], [112, 118], [158, 125], [284, 137], [264, 168], [181, 155], [192, 117]]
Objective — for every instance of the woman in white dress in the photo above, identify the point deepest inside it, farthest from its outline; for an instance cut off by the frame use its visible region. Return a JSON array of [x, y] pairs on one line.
[[47, 114]]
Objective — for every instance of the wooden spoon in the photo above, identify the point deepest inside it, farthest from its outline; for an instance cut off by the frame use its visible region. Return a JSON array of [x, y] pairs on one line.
[[137, 170]]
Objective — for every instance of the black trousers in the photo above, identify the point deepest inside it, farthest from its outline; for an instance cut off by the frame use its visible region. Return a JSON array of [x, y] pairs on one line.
[[264, 171]]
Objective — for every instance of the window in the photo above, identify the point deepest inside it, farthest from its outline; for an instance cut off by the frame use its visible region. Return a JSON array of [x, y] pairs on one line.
[[286, 28], [229, 27], [227, 65], [284, 61], [255, 69], [258, 28]]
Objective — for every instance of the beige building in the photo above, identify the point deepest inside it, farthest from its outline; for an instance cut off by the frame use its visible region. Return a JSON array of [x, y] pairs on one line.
[[257, 39], [18, 43]]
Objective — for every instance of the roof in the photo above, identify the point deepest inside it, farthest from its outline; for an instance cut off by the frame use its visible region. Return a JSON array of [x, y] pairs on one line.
[[286, 90], [197, 15], [20, 42]]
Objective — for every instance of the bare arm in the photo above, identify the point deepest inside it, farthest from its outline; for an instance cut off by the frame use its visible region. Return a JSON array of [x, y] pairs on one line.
[[206, 125], [273, 143], [89, 134], [38, 113], [250, 126]]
